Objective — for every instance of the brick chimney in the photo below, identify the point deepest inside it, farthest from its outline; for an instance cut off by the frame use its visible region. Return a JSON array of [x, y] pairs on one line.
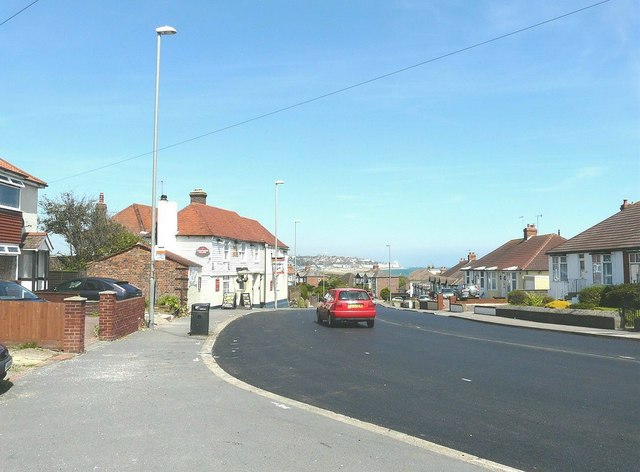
[[530, 231], [198, 196], [102, 206], [625, 204], [471, 256]]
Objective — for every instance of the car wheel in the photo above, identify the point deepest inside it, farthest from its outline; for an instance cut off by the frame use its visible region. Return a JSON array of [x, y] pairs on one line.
[[318, 317], [371, 323], [332, 320]]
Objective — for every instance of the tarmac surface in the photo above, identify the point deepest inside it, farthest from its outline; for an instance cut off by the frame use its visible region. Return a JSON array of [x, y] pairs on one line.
[[143, 393]]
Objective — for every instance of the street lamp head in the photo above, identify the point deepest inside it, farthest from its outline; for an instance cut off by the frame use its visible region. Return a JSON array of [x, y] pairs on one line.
[[161, 30], [279, 182]]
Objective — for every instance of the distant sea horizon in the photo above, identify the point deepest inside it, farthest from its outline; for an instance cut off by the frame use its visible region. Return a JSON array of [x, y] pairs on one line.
[[404, 271]]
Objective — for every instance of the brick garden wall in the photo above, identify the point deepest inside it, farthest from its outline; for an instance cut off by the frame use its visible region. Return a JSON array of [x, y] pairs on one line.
[[119, 318]]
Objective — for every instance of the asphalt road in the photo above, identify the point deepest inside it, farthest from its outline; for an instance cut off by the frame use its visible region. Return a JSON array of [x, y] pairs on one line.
[[529, 399]]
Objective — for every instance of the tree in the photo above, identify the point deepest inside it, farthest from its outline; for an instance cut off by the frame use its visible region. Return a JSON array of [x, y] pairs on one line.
[[86, 228], [402, 282]]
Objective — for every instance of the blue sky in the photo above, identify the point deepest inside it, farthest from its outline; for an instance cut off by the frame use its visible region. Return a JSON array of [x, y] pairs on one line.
[[457, 154]]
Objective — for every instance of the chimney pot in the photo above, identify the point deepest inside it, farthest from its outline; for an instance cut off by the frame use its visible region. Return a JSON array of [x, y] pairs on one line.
[[625, 204]]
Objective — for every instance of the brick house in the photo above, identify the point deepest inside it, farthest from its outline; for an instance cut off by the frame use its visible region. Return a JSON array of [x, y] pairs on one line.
[[24, 252], [519, 264], [172, 274], [608, 253]]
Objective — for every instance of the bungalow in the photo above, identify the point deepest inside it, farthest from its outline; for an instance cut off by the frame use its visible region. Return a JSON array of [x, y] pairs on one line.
[[519, 264], [237, 254], [24, 252], [608, 253]]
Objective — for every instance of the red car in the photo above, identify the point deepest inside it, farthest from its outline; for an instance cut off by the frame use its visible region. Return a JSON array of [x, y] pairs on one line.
[[346, 304]]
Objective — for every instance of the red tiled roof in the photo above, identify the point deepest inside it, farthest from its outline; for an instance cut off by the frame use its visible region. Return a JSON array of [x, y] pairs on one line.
[[198, 219], [520, 254], [5, 165], [620, 231], [136, 218]]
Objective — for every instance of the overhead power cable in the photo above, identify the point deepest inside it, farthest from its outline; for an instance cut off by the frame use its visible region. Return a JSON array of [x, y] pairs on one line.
[[344, 89], [16, 14]]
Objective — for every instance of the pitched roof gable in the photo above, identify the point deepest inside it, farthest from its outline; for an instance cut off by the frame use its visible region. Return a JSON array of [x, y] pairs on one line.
[[619, 231], [7, 166], [522, 254]]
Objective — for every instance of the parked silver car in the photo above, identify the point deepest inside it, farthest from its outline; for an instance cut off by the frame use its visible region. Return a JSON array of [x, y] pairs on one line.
[[467, 291]]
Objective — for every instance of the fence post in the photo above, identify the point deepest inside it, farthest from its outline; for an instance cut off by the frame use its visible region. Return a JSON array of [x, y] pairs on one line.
[[74, 317]]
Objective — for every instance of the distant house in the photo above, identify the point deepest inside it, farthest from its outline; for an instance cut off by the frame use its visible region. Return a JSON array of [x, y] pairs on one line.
[[237, 254], [608, 253], [365, 280], [382, 280], [24, 252], [451, 277], [519, 264]]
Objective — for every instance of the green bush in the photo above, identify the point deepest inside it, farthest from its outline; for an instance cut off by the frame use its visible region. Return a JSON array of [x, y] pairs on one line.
[[625, 296], [172, 303], [304, 291], [591, 295], [582, 306], [517, 297], [384, 293], [533, 299]]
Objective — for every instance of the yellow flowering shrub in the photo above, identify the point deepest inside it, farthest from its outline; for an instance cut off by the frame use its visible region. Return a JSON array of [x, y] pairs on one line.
[[558, 304]]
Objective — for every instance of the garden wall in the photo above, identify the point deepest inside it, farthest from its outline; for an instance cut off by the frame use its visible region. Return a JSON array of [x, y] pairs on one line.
[[585, 318]]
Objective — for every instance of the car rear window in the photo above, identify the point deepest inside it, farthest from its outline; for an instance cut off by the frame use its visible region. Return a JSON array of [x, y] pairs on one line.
[[127, 286], [353, 295]]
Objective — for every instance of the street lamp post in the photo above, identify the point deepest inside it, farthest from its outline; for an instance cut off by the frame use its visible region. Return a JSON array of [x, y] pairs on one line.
[[295, 252], [389, 246], [160, 31], [275, 262]]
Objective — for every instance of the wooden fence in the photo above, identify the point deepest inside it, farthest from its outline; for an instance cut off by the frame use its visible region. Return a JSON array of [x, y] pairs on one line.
[[25, 322]]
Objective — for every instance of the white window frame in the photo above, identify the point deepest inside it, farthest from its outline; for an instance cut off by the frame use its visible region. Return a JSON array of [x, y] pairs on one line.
[[10, 250], [10, 185], [492, 281], [602, 269], [560, 269], [225, 249], [226, 284], [634, 267]]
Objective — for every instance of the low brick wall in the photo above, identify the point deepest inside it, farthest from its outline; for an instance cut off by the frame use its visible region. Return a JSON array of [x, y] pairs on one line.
[[119, 318], [585, 318]]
